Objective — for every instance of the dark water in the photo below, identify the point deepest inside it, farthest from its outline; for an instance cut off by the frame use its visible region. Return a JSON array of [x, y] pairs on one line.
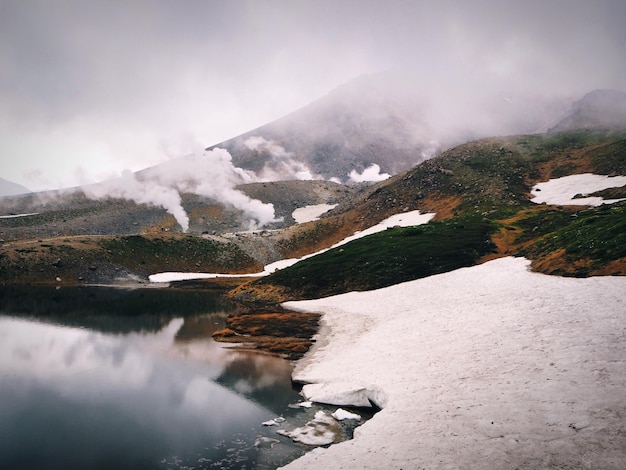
[[111, 378]]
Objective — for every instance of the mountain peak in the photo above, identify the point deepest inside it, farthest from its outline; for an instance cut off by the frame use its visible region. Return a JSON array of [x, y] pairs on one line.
[[394, 120], [597, 109], [8, 188]]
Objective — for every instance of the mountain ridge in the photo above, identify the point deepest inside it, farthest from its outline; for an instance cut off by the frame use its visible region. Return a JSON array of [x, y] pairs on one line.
[[480, 189], [388, 120], [9, 188], [490, 174]]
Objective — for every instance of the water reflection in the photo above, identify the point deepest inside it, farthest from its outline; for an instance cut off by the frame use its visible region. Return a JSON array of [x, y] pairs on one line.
[[121, 380]]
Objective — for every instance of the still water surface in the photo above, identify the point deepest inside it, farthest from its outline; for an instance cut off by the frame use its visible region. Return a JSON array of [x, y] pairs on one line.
[[112, 378]]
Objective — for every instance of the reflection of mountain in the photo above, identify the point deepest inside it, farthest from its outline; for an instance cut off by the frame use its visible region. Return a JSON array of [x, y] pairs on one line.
[[199, 327], [262, 378], [109, 310]]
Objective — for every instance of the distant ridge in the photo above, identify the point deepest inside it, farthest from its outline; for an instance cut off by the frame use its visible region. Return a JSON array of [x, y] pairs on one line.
[[599, 109], [8, 188], [388, 119]]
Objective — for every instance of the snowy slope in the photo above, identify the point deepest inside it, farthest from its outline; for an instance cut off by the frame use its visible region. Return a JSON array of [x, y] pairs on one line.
[[485, 366]]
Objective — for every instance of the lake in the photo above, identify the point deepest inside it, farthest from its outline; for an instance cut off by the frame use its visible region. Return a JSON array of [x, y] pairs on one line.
[[94, 377]]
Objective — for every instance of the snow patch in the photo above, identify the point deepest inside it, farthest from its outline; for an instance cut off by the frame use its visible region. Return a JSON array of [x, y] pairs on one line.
[[17, 215], [310, 213], [561, 191], [492, 360]]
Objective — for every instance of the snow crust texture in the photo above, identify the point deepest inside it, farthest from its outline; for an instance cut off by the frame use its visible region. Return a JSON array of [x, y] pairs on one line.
[[489, 366]]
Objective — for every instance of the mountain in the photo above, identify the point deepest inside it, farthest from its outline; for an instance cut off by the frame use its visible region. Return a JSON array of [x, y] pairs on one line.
[[8, 188], [597, 109], [389, 119], [481, 193], [133, 225]]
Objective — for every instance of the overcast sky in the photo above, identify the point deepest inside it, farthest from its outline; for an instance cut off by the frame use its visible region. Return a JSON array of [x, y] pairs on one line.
[[89, 88]]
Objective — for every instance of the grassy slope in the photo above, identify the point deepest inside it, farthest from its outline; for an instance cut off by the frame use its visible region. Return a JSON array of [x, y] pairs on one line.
[[482, 189], [390, 257]]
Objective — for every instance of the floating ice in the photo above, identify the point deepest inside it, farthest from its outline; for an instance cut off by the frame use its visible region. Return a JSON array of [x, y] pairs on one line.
[[265, 442], [302, 404], [273, 422], [321, 430]]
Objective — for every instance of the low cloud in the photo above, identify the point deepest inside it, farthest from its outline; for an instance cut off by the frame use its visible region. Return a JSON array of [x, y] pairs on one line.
[[370, 174], [209, 174]]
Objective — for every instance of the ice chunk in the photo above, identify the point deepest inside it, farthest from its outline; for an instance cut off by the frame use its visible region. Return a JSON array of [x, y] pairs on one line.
[[273, 422], [338, 393], [321, 430], [340, 414], [302, 404], [265, 442]]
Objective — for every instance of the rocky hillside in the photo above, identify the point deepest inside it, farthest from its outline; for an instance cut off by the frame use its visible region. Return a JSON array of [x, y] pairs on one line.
[[68, 236], [481, 194], [70, 212], [374, 120], [480, 191]]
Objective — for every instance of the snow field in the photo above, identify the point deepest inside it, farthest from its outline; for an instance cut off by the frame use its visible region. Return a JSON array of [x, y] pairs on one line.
[[489, 365]]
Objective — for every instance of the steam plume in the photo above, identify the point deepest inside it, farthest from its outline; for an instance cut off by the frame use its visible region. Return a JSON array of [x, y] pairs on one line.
[[209, 173], [282, 165], [371, 173]]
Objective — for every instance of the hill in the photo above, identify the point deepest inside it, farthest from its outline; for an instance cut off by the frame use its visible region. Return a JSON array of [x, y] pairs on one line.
[[66, 235], [477, 184], [481, 193]]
